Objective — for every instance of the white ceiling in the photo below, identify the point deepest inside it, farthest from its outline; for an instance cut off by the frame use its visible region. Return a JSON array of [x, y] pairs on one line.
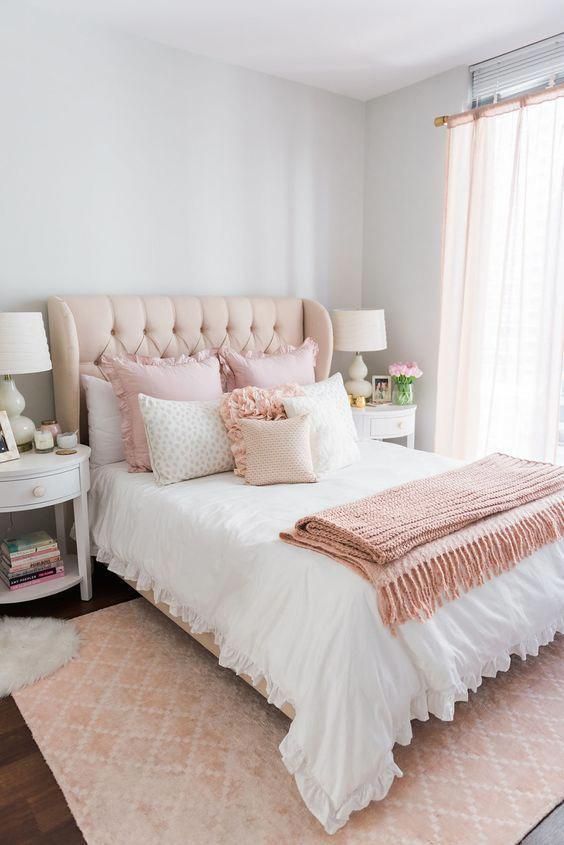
[[361, 48]]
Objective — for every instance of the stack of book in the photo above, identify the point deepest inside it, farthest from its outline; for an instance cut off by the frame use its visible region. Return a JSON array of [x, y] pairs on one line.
[[28, 559]]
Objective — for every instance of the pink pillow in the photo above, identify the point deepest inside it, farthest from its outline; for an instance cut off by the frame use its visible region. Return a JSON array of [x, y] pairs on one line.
[[252, 403], [287, 365], [181, 378], [278, 452]]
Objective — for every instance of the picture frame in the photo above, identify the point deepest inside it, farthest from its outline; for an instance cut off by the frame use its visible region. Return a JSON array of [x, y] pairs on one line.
[[8, 448], [381, 390]]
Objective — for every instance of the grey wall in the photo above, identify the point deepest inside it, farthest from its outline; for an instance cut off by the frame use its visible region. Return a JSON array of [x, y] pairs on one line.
[[126, 166], [404, 193]]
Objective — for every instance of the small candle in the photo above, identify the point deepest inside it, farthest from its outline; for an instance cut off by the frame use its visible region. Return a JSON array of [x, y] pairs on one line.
[[44, 441], [67, 440]]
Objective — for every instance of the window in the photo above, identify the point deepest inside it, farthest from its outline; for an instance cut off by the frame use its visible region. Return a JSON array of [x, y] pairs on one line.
[[502, 332], [534, 67]]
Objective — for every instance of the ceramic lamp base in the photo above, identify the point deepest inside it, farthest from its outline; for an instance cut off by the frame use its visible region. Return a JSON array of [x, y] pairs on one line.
[[23, 429], [12, 401], [357, 384]]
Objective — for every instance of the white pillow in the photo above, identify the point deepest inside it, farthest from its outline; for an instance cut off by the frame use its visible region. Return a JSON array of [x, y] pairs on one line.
[[332, 430], [104, 422], [186, 439], [334, 388]]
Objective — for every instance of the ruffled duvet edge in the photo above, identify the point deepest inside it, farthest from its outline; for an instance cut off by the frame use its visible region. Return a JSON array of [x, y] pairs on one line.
[[438, 703]]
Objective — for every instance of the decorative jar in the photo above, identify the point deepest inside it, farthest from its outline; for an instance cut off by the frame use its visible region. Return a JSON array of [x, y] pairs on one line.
[[52, 426]]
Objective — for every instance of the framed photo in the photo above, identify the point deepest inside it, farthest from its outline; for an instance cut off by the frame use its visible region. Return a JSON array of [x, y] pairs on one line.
[[8, 448], [381, 389]]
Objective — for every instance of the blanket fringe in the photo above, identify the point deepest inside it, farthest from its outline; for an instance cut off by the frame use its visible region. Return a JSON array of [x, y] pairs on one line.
[[418, 592]]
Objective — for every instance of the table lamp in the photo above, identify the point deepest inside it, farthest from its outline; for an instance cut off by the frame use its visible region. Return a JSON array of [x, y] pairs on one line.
[[23, 349], [361, 330]]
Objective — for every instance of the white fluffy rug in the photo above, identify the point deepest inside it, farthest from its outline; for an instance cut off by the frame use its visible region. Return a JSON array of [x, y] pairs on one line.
[[31, 649]]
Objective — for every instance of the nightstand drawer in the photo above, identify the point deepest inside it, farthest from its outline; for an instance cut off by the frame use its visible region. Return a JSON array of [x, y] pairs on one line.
[[392, 426], [26, 492]]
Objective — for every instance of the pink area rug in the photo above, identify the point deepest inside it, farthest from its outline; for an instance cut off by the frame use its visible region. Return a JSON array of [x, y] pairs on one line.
[[152, 742]]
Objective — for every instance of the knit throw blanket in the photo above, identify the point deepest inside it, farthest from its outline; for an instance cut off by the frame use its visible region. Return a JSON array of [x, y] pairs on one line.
[[426, 541]]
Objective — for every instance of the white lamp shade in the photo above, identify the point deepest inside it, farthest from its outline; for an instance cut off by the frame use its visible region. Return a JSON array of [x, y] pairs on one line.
[[363, 330], [23, 343]]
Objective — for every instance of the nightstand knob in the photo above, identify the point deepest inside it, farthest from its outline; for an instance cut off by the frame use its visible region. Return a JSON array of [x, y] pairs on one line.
[[38, 491], [400, 424]]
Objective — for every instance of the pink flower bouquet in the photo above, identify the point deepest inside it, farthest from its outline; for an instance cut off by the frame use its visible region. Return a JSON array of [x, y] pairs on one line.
[[403, 376]]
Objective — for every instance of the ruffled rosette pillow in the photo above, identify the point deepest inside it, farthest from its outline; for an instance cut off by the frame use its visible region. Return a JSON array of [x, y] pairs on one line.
[[256, 403], [288, 365]]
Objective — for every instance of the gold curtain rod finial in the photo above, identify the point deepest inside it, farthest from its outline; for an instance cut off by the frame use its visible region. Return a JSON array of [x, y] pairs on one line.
[[441, 120]]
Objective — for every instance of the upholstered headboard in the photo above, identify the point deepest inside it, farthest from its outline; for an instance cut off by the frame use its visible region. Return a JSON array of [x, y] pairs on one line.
[[82, 328]]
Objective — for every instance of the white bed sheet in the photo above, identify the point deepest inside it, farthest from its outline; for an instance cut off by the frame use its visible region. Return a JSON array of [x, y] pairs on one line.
[[310, 626]]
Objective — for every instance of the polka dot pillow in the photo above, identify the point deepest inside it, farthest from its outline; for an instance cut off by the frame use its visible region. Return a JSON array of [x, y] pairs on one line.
[[186, 439]]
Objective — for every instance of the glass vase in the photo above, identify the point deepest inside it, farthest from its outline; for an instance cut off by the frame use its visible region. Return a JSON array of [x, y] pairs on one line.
[[402, 393]]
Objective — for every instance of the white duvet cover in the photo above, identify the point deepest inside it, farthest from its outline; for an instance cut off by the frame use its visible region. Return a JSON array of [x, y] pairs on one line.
[[210, 549]]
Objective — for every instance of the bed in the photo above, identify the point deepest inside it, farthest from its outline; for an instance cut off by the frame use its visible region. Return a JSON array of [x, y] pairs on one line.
[[299, 626]]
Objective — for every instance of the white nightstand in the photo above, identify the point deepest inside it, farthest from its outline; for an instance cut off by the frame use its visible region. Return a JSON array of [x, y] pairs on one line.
[[37, 481], [386, 422]]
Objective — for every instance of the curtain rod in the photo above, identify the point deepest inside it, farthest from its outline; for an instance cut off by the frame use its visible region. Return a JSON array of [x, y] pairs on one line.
[[550, 90]]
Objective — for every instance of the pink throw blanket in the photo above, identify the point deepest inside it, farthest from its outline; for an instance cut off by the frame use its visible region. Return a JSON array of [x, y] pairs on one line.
[[426, 541]]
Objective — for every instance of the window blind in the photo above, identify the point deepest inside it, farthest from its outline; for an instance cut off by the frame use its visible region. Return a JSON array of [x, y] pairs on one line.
[[527, 69]]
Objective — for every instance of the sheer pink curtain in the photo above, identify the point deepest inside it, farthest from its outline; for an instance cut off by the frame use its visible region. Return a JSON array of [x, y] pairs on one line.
[[502, 320]]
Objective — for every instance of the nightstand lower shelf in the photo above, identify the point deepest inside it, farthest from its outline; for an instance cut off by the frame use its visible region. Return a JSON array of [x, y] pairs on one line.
[[36, 481], [49, 588]]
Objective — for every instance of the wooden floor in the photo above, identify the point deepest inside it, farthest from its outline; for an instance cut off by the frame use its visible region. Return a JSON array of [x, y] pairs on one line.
[[33, 810], [32, 807], [550, 831]]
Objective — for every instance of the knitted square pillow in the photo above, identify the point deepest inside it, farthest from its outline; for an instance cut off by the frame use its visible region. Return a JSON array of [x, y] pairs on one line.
[[256, 403], [278, 452]]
